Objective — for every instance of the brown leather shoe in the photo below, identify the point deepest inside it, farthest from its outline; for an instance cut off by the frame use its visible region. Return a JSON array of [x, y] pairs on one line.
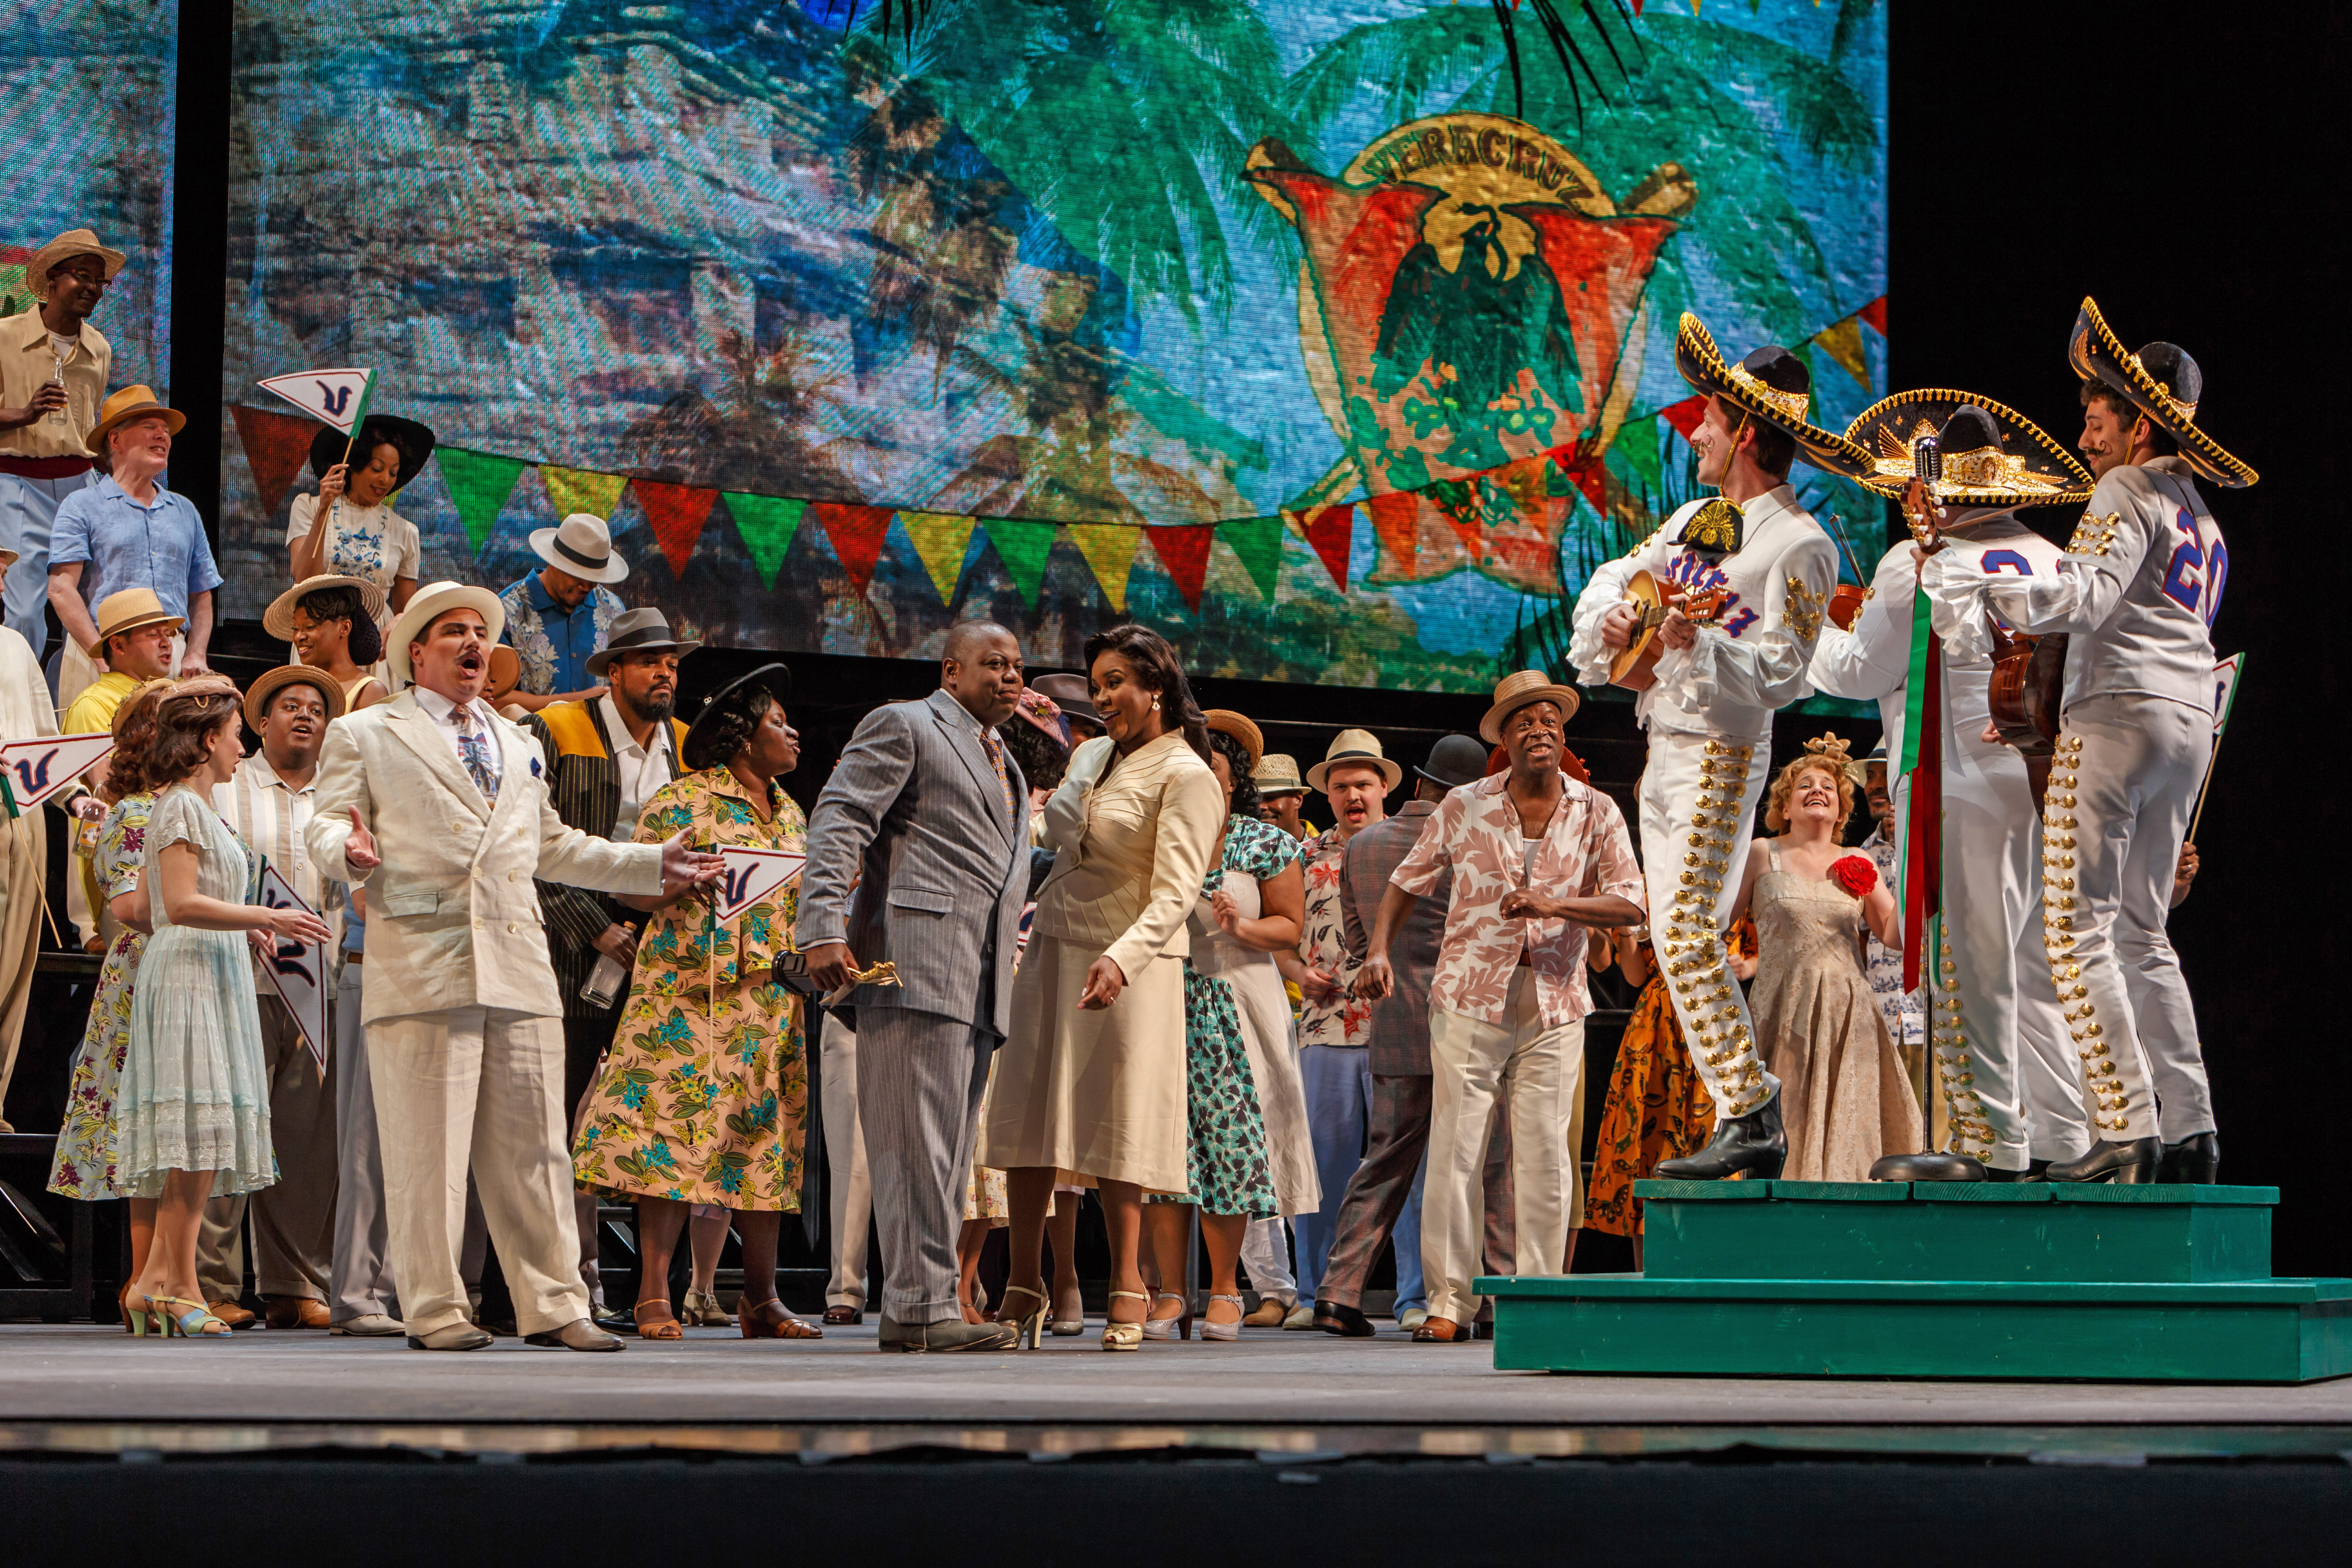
[[839, 1315], [230, 1312], [1442, 1332], [294, 1312]]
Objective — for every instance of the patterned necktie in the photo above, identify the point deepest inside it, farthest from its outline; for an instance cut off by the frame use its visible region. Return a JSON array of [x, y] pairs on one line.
[[995, 749], [475, 748]]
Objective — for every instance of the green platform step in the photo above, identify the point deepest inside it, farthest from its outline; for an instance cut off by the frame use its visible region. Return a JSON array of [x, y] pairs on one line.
[[1959, 1280]]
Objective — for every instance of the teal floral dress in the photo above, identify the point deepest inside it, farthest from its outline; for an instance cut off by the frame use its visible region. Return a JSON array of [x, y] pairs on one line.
[[703, 1098], [85, 1160]]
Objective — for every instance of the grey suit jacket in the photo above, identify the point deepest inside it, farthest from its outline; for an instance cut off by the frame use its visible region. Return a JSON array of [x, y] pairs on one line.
[[914, 805]]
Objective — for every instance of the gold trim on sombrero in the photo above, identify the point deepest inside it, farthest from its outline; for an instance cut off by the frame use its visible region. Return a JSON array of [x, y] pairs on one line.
[[2092, 340], [1986, 476], [1707, 371], [1796, 405]]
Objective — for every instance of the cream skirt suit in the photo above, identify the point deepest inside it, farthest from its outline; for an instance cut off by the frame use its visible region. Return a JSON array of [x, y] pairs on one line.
[[1103, 1093]]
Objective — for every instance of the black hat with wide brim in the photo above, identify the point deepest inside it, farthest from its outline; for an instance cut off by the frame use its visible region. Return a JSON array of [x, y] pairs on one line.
[[414, 441], [1455, 761], [1744, 386], [2163, 383], [1993, 455], [771, 680]]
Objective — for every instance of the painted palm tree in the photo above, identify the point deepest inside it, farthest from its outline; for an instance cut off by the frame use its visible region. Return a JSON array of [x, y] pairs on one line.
[[763, 433]]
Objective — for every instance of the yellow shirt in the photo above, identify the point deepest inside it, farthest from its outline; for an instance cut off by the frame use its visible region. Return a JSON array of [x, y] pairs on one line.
[[93, 711], [28, 364]]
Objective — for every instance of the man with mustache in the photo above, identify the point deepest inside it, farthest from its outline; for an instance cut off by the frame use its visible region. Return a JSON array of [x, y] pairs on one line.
[[605, 758], [440, 807], [54, 367]]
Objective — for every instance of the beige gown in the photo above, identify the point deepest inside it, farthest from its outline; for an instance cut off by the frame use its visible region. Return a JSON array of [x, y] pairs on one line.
[[1844, 1097]]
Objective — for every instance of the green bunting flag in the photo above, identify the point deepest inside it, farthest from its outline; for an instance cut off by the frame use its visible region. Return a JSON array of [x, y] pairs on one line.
[[1257, 542], [478, 484], [1023, 547], [766, 525]]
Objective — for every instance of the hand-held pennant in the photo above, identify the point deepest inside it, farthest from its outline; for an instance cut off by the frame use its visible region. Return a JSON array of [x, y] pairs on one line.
[[340, 397], [2225, 697], [1922, 763], [41, 767], [298, 969], [752, 875]]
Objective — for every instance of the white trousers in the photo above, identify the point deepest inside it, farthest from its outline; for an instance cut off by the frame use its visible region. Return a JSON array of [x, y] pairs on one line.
[[1698, 808], [1539, 1071], [848, 1189], [2121, 791], [484, 1086], [1266, 1258]]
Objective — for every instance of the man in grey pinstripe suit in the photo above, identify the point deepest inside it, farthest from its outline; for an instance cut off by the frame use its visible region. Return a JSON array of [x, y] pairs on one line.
[[918, 853]]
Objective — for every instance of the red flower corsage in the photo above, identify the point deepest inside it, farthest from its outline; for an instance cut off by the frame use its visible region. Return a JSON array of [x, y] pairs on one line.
[[1855, 874]]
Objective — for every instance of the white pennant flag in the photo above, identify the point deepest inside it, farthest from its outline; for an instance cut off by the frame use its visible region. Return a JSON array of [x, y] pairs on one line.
[[338, 396], [752, 875], [2225, 691], [39, 768], [297, 969]]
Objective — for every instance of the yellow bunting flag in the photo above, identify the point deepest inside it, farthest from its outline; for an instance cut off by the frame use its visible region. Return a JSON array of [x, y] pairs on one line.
[[1109, 550], [1843, 343], [582, 490], [940, 539]]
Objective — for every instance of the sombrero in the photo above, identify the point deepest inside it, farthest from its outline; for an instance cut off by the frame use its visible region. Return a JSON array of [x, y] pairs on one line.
[[414, 442], [1990, 456], [2162, 382], [1771, 384], [1224, 720]]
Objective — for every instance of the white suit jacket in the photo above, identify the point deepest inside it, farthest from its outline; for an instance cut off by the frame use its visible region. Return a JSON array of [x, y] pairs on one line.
[[453, 919]]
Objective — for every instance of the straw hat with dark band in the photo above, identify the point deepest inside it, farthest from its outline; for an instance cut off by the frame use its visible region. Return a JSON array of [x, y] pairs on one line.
[[1518, 689], [1277, 774], [1225, 722], [256, 697], [772, 681], [129, 609], [1991, 456], [130, 403], [63, 249], [1355, 749], [2163, 383], [1771, 384]]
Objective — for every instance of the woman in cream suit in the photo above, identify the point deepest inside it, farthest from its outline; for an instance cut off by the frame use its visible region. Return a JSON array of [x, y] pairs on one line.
[[1091, 1078]]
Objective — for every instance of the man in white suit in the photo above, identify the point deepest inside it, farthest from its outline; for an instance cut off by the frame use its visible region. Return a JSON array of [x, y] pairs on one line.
[[440, 808]]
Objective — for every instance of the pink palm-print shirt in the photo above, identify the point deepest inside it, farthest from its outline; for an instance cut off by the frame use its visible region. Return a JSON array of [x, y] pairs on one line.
[[1584, 854], [1347, 1022]]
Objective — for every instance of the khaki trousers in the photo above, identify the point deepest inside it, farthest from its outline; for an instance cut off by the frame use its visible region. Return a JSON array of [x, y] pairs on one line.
[[481, 1087], [294, 1221], [24, 848], [849, 1189], [1539, 1071]]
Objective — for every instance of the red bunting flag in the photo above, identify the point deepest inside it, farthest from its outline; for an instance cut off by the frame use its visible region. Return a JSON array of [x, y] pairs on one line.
[[1396, 523], [276, 447], [857, 532], [1184, 551], [1875, 314], [676, 513], [1331, 533], [1685, 416]]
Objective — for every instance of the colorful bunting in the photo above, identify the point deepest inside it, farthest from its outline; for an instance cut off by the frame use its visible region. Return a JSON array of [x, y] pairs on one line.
[[1332, 532], [676, 513], [1184, 551], [1875, 314], [856, 533], [1685, 416], [1396, 523], [1024, 547], [276, 447], [479, 484], [940, 539], [766, 525], [1109, 550], [1842, 341], [582, 490], [1637, 448], [1257, 542]]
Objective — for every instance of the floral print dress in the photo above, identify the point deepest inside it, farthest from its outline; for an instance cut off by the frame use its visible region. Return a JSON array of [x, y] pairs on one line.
[[704, 1096], [85, 1166]]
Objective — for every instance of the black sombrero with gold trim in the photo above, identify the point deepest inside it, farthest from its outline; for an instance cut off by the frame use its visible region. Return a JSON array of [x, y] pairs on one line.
[[2163, 383], [1771, 384], [1992, 456]]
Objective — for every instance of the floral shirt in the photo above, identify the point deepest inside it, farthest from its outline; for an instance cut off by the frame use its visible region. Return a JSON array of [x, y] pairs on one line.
[[714, 809], [1584, 853], [1348, 1022], [552, 643], [1905, 1013]]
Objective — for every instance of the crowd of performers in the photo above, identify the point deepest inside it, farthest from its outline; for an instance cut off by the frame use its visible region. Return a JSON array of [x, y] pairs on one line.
[[1072, 936]]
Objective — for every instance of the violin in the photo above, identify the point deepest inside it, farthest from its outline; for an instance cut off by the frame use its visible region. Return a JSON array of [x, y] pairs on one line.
[[1635, 668]]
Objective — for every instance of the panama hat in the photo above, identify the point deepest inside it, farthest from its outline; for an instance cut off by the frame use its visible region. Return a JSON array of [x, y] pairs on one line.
[[130, 403], [131, 609], [1518, 689], [1455, 761], [65, 247], [278, 619], [1771, 384], [258, 695], [769, 680], [431, 601], [1987, 455], [1277, 774], [413, 441], [2163, 383], [582, 545], [637, 631], [1355, 747], [1225, 722]]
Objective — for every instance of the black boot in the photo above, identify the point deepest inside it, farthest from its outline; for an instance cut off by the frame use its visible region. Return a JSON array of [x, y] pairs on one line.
[[2035, 1171], [2136, 1160], [2196, 1158], [1754, 1143], [1927, 1167]]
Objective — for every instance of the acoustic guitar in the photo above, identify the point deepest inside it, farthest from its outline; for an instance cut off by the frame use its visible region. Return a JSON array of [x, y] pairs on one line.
[[2029, 682], [1635, 668]]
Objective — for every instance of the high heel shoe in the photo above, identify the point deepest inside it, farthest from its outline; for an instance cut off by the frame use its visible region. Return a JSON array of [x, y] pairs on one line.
[[664, 1327], [1212, 1329], [759, 1321], [703, 1311], [1119, 1336], [196, 1323], [2127, 1162], [1180, 1324], [1029, 1328]]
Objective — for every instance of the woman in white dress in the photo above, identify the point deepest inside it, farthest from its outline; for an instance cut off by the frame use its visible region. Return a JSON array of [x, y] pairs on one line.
[[191, 1116], [349, 529]]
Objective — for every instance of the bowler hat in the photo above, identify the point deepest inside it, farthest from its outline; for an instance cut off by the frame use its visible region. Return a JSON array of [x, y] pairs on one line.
[[1455, 761]]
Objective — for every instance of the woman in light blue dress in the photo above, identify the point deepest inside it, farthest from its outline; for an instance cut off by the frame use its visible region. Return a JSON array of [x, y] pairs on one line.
[[191, 1116]]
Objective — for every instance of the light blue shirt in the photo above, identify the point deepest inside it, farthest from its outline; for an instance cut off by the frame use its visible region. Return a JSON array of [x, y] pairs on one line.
[[130, 544]]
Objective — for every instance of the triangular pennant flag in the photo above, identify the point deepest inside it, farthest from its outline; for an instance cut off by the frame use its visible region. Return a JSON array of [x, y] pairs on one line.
[[1184, 551], [940, 539], [1842, 341], [1257, 541], [338, 396], [478, 484], [1875, 314], [856, 533], [1636, 447], [1109, 550], [766, 524], [676, 513], [1024, 547], [276, 447], [41, 767], [751, 875], [297, 969], [1396, 523], [1685, 416], [583, 489], [1332, 532]]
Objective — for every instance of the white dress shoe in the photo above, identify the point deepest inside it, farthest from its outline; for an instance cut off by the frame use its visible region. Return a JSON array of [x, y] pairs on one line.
[[1412, 1319], [1302, 1316], [368, 1325]]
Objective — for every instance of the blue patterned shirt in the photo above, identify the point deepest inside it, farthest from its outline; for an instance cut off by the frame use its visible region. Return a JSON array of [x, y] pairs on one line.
[[554, 643]]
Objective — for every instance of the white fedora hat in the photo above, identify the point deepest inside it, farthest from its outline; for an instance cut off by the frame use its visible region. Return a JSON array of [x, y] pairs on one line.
[[431, 601], [582, 545]]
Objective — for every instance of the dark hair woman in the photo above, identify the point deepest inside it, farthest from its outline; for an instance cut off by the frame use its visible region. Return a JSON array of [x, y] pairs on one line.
[[349, 528], [332, 624]]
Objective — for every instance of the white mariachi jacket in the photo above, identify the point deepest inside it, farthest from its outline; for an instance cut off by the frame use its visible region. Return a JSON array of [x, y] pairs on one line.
[[2136, 590], [1751, 661]]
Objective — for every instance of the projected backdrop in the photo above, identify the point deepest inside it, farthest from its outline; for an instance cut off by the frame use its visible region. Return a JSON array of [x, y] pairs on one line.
[[1335, 340]]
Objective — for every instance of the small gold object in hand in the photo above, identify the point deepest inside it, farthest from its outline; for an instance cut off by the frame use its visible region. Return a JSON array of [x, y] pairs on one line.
[[883, 974]]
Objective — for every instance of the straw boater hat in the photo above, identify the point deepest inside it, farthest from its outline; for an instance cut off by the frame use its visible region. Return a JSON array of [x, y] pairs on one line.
[[431, 602], [278, 619], [582, 545], [256, 697], [1224, 720], [130, 403], [2163, 383], [1277, 774], [414, 442], [131, 609], [1990, 456], [1518, 689], [770, 680], [1353, 749], [637, 631], [1771, 384], [65, 247]]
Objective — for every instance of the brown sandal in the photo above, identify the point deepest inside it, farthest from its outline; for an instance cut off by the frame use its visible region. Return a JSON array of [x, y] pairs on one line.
[[668, 1327], [753, 1318], [1440, 1331]]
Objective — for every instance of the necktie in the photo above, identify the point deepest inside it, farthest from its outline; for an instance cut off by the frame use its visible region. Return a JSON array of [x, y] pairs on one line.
[[995, 749], [475, 748]]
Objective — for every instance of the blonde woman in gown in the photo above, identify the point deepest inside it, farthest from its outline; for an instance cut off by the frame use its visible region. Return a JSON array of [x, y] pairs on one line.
[[1844, 1097]]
